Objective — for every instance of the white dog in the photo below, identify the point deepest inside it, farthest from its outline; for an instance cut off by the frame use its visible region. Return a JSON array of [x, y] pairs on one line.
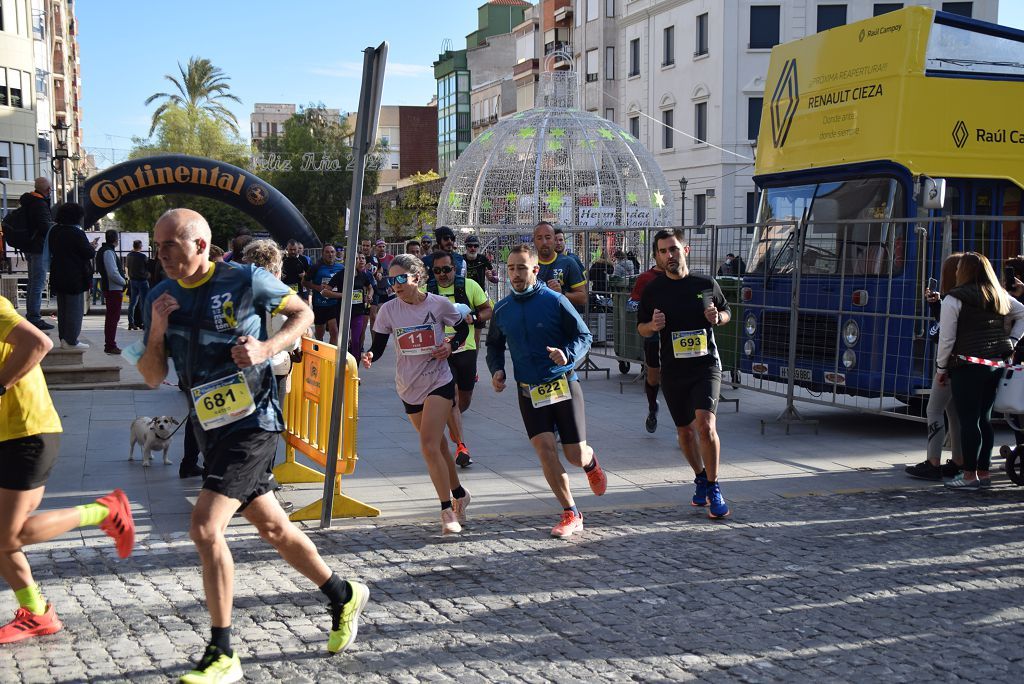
[[152, 434]]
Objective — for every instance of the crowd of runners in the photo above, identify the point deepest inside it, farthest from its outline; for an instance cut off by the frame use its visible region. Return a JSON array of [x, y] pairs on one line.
[[224, 325]]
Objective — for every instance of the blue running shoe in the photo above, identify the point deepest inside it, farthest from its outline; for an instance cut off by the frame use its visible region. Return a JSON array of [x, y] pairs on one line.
[[718, 509], [700, 492]]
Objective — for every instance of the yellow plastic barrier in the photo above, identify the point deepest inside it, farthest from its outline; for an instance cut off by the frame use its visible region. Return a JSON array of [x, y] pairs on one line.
[[307, 417]]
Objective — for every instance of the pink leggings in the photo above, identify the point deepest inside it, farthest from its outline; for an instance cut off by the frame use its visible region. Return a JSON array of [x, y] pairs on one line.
[[355, 344]]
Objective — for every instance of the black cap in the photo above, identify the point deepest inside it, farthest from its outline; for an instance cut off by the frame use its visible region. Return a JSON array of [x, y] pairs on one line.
[[472, 240]]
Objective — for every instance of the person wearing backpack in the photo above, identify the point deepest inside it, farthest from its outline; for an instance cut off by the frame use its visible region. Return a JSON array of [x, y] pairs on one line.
[[112, 282], [71, 262], [36, 207]]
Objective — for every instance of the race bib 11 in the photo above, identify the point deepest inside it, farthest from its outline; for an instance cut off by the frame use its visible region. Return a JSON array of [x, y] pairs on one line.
[[416, 340]]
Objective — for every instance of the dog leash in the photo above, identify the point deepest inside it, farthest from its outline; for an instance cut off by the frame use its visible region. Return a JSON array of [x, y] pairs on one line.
[[183, 421]]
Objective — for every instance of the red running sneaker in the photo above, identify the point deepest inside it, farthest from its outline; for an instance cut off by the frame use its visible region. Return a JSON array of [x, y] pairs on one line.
[[597, 479], [119, 523], [569, 524], [27, 624]]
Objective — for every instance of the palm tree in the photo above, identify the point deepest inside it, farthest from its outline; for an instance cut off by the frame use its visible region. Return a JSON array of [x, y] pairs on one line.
[[202, 88]]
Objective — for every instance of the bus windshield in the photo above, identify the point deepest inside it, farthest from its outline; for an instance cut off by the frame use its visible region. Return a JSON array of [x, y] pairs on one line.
[[833, 244]]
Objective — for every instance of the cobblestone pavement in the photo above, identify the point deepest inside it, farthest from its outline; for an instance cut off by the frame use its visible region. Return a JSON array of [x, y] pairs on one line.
[[923, 585]]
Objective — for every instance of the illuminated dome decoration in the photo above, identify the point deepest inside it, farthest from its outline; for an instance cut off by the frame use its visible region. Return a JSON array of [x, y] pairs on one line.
[[555, 163]]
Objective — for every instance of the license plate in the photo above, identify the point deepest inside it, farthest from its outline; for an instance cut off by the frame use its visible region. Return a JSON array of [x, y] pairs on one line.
[[802, 374]]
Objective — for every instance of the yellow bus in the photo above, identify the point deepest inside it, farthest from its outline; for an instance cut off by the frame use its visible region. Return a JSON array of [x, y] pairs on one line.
[[876, 138]]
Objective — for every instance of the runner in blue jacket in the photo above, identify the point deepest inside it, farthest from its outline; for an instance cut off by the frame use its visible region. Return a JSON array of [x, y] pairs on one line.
[[546, 338]]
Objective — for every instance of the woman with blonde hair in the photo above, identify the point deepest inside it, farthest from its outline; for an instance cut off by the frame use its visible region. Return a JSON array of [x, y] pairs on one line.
[[972, 331], [940, 411]]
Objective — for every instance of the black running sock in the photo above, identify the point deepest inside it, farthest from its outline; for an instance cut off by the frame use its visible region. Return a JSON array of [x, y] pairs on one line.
[[575, 511], [337, 590], [652, 396], [459, 492], [591, 465], [221, 638], [445, 505], [703, 473]]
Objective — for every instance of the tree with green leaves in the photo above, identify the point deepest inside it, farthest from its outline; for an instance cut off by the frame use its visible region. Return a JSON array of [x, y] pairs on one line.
[[309, 163], [201, 90], [416, 208]]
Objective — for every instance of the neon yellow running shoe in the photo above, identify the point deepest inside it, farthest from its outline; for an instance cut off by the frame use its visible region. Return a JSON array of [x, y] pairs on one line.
[[215, 668], [347, 623]]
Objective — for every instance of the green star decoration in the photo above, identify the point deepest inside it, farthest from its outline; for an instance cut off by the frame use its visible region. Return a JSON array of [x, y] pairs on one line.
[[631, 197], [486, 204], [486, 135], [606, 134], [527, 132], [587, 144], [511, 197], [454, 201], [510, 149], [627, 137], [554, 145], [557, 132], [658, 199], [555, 198]]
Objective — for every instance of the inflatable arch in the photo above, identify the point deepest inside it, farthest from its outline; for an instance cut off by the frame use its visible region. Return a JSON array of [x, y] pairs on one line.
[[181, 174]]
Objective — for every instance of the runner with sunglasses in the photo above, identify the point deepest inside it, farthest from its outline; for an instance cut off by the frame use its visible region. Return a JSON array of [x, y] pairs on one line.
[[474, 304], [422, 377]]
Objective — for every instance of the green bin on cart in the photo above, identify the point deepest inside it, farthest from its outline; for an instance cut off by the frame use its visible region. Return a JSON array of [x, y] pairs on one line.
[[628, 343], [728, 337]]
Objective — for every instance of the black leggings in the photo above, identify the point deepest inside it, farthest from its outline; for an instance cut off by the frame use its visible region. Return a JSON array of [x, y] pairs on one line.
[[974, 391]]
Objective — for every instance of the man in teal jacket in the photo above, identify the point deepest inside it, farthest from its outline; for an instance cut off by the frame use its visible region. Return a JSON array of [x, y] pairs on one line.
[[546, 338]]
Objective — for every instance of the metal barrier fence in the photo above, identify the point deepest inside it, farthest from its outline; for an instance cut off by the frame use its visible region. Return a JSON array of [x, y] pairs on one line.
[[307, 414]]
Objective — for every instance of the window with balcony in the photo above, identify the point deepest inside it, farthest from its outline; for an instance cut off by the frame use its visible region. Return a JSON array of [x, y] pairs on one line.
[[886, 7], [764, 27], [634, 126], [831, 16], [700, 45], [591, 65], [634, 57], [668, 47], [754, 107], [700, 123], [667, 141], [964, 9]]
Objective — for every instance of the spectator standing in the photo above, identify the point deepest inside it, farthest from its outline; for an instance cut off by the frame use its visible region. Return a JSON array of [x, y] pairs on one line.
[[972, 331], [71, 264], [413, 247], [37, 206], [623, 266], [138, 284], [112, 282], [732, 266], [293, 268]]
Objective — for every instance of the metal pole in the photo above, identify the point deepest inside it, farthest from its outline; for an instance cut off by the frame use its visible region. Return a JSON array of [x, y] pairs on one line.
[[366, 130]]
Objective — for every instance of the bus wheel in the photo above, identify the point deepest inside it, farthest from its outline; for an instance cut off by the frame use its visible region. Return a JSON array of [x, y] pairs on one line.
[[623, 367], [1015, 467]]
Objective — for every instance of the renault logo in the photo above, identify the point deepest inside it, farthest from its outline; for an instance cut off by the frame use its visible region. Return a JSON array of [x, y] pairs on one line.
[[784, 103], [960, 134]]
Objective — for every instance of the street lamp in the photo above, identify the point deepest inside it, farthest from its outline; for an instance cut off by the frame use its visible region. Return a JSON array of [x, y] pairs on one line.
[[60, 152], [682, 200]]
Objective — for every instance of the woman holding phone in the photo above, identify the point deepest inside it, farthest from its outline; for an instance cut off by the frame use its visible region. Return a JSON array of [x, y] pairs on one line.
[[940, 412]]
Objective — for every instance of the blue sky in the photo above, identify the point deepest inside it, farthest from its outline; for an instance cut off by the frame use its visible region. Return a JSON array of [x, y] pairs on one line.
[[299, 51]]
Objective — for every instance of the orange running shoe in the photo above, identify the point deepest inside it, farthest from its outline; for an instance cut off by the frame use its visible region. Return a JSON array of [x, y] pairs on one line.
[[569, 524], [597, 479], [27, 624], [119, 524]]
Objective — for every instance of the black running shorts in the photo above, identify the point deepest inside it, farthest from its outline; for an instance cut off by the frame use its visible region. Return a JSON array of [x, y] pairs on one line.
[[463, 367], [652, 352], [239, 465], [322, 314], [688, 391], [568, 416], [27, 461], [446, 391]]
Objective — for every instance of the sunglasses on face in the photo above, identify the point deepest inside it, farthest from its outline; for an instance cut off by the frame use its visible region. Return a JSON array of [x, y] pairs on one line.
[[443, 269], [400, 279]]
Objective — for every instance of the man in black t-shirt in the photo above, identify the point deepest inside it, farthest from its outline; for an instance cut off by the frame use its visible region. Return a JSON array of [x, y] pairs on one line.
[[293, 269], [682, 309]]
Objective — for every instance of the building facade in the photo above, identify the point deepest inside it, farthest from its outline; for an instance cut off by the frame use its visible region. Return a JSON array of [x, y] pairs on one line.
[[267, 120], [688, 77], [40, 90], [407, 135]]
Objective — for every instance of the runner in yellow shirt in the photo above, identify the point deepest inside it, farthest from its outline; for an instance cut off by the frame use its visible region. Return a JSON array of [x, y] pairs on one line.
[[29, 441]]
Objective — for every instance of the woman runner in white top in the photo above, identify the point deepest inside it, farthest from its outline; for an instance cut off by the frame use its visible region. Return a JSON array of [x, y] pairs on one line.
[[422, 376]]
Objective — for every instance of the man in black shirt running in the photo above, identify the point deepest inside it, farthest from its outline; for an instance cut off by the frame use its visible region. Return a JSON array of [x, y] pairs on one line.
[[683, 309]]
